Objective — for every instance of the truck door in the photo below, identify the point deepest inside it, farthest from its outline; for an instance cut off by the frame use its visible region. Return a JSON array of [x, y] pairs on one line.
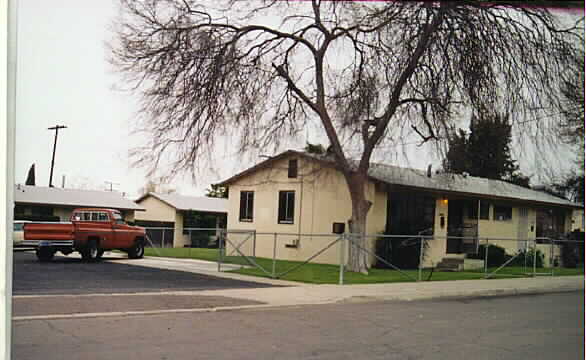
[[123, 234]]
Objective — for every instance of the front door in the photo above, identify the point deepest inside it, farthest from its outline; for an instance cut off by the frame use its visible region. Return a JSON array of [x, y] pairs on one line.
[[455, 227]]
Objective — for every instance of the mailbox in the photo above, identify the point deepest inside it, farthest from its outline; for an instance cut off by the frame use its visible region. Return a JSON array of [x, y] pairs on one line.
[[338, 228]]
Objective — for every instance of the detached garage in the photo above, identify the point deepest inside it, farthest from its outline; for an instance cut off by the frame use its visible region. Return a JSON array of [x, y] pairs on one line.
[[171, 216]]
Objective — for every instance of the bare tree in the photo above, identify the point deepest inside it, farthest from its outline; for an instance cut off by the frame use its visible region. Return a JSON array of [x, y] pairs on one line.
[[366, 71], [154, 186]]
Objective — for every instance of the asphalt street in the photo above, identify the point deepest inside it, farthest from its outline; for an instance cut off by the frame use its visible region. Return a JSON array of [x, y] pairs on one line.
[[518, 327], [67, 275]]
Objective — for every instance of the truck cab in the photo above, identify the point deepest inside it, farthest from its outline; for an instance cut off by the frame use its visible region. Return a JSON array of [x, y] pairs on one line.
[[90, 231]]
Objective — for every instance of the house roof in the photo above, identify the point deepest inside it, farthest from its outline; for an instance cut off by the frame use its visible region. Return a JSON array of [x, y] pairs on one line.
[[25, 194], [442, 182], [194, 203]]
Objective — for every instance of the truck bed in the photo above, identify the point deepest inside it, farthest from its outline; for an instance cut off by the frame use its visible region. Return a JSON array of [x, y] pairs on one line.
[[61, 233]]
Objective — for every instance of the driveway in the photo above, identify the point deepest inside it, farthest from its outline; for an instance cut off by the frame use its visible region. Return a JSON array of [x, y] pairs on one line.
[[68, 275]]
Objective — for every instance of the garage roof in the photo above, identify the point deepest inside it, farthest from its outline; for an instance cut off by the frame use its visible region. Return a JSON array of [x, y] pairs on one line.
[[194, 203], [40, 195]]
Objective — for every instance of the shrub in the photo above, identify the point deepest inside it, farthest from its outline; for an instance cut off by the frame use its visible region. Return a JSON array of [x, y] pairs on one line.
[[496, 255], [523, 258]]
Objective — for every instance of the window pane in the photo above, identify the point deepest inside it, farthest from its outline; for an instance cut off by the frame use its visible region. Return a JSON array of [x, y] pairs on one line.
[[292, 168], [290, 206], [502, 213], [246, 205], [103, 216], [87, 216], [94, 216], [286, 207]]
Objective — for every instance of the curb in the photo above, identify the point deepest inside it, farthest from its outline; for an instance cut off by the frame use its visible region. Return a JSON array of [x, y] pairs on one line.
[[477, 294]]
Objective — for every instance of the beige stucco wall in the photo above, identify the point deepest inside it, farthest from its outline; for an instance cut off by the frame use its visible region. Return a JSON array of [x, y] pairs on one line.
[[156, 210], [179, 239], [578, 220], [321, 198], [437, 246]]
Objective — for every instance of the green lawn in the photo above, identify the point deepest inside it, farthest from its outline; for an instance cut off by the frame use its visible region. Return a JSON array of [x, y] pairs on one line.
[[329, 274]]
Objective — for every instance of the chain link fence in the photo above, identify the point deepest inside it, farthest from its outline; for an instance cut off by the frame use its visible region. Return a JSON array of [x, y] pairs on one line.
[[418, 257]]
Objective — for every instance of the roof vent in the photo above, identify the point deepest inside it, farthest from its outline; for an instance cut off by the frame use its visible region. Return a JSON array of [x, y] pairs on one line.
[[429, 171]]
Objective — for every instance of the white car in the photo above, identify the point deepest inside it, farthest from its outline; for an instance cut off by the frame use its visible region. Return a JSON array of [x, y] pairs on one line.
[[18, 234]]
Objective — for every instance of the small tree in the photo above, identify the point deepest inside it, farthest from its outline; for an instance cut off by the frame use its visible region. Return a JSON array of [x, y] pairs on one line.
[[30, 178], [364, 70], [485, 151], [153, 186], [217, 191]]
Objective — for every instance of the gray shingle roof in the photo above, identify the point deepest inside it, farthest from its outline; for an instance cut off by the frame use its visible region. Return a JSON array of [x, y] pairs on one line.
[[195, 203], [72, 197], [469, 185]]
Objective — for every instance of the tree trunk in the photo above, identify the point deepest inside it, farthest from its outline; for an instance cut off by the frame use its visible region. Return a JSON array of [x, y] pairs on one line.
[[358, 258]]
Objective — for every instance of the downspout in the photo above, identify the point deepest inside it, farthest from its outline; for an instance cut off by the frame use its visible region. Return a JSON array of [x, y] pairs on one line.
[[300, 209]]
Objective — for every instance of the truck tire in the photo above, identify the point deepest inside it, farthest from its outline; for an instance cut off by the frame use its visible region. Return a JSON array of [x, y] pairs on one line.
[[137, 251], [91, 251], [45, 254]]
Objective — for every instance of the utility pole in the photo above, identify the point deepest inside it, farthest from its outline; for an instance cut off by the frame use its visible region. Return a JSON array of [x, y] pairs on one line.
[[56, 128], [111, 184]]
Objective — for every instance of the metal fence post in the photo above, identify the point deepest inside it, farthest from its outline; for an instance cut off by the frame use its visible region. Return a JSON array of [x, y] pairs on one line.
[[420, 258], [341, 281], [220, 249], [551, 264], [534, 257], [190, 242], [486, 258], [254, 244], [525, 257], [163, 239], [274, 255]]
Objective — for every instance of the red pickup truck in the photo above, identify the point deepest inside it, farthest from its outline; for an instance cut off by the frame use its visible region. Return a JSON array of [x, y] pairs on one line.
[[91, 231]]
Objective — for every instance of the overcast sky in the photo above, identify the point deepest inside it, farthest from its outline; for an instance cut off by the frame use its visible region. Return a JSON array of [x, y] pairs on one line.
[[63, 78]]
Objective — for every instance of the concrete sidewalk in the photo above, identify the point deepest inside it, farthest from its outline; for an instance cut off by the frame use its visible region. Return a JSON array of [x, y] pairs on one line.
[[294, 293], [326, 294]]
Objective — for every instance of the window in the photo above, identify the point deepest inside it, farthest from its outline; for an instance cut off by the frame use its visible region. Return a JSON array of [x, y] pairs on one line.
[[286, 207], [102, 216], [292, 173], [94, 216], [503, 213], [473, 209], [118, 218], [246, 205]]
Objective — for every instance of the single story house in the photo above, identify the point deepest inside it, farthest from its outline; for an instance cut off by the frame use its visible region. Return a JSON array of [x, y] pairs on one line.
[[56, 204], [170, 216], [302, 194]]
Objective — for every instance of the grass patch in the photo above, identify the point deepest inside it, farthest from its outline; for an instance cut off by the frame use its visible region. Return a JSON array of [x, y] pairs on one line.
[[329, 274]]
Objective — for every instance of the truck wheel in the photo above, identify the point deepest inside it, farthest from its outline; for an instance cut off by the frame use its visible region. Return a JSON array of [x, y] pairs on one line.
[[137, 251], [45, 254], [90, 253]]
